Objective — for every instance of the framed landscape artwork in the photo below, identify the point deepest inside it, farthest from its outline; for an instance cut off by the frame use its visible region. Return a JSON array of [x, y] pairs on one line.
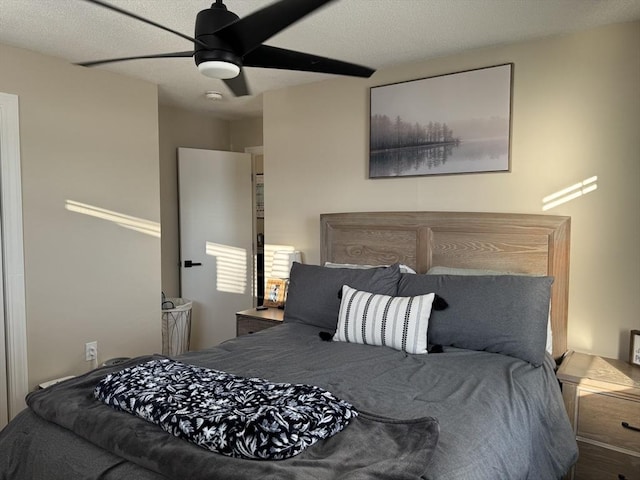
[[455, 123]]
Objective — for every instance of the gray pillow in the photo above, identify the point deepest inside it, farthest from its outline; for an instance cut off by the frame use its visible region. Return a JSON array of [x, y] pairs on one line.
[[313, 294], [504, 314], [482, 271]]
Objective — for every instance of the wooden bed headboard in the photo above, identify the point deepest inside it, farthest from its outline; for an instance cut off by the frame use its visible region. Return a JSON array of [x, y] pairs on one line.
[[518, 243]]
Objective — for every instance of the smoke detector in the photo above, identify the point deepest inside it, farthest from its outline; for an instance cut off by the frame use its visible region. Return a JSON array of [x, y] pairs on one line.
[[213, 95]]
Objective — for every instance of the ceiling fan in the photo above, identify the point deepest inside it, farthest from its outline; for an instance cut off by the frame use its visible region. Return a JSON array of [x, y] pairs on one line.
[[224, 43]]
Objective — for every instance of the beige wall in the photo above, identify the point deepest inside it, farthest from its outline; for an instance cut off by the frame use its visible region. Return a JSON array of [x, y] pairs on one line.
[[576, 112], [181, 128], [246, 133], [87, 136]]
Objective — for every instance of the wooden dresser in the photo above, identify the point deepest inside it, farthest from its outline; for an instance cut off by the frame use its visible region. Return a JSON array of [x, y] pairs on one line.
[[254, 320], [602, 397]]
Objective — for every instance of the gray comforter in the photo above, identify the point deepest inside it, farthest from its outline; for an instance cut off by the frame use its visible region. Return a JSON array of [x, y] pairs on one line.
[[498, 418]]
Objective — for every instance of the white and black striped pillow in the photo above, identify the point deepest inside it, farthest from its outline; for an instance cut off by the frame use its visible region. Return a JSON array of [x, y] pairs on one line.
[[396, 322]]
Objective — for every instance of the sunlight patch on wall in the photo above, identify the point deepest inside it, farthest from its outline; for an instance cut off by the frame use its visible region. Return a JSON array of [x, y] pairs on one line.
[[570, 193], [127, 221], [231, 267], [582, 339], [269, 250]]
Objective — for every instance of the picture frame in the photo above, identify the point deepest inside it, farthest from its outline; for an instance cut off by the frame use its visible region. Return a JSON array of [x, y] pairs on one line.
[[275, 293], [447, 124], [634, 347]]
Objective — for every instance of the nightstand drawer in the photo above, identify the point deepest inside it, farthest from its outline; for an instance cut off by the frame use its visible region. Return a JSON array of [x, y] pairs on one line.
[[600, 418], [598, 463], [252, 325], [254, 320]]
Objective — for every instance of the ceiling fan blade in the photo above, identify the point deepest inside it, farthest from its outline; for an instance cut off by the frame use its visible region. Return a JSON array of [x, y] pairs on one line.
[[273, 57], [139, 57], [249, 32], [145, 20], [238, 85]]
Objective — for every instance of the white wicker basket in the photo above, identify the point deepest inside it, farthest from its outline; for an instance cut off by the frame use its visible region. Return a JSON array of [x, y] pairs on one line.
[[176, 326]]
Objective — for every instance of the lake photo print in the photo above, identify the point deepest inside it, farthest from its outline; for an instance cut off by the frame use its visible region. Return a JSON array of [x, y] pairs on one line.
[[448, 124]]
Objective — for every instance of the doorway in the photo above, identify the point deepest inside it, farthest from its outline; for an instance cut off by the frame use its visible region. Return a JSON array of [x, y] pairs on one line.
[[257, 169]]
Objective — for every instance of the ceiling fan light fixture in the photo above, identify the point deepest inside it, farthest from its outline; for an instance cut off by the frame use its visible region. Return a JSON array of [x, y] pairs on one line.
[[224, 43], [219, 69]]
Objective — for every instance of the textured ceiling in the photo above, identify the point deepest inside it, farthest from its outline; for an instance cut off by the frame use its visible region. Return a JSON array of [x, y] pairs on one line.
[[375, 33]]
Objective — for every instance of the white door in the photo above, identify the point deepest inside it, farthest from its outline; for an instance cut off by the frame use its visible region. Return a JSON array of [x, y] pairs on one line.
[[13, 324], [215, 194]]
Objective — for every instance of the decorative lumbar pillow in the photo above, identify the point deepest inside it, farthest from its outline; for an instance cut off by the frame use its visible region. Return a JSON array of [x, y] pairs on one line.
[[396, 322], [504, 314], [312, 297]]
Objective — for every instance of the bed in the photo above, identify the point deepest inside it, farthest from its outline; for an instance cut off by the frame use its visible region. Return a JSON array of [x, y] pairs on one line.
[[474, 398]]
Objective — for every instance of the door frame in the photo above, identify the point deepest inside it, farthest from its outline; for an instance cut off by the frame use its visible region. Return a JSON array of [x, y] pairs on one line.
[[12, 288], [258, 252]]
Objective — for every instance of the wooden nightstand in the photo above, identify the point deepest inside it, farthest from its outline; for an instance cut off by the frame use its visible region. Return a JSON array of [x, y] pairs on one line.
[[602, 397], [252, 320]]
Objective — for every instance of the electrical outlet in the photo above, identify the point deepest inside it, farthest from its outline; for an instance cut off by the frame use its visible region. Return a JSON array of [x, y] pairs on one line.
[[91, 351]]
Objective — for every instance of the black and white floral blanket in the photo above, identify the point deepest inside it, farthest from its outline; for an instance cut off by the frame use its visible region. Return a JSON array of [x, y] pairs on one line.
[[240, 417]]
